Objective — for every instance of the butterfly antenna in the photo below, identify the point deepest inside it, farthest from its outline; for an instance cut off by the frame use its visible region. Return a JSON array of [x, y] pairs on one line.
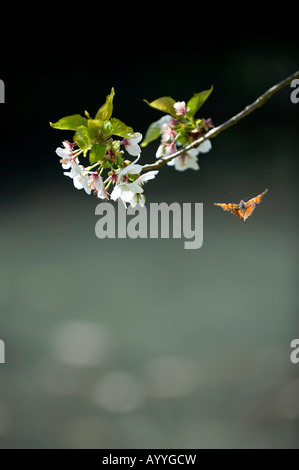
[[249, 197]]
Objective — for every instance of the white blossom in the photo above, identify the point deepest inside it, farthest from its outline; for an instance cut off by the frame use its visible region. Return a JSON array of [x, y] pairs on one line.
[[180, 108], [67, 155], [164, 150], [185, 161], [167, 132], [138, 199], [128, 192], [95, 182], [204, 147], [131, 144], [167, 119], [160, 151], [131, 169], [149, 175], [189, 159], [80, 177]]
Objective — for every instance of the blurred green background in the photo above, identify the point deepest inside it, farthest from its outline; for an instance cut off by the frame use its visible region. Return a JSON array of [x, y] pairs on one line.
[[140, 343]]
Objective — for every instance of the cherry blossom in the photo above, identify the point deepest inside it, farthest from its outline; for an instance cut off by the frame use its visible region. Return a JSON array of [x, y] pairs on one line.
[[95, 183], [180, 108], [67, 155], [128, 192], [131, 144], [80, 177], [131, 169]]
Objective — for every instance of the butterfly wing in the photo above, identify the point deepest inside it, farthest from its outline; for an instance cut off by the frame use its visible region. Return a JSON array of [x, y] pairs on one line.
[[233, 208], [227, 207], [238, 212], [255, 200], [248, 211], [251, 204]]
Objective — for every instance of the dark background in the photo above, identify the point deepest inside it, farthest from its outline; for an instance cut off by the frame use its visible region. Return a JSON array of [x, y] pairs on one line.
[[140, 343]]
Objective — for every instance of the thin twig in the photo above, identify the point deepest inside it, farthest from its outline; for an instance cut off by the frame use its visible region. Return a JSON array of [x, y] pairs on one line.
[[216, 130]]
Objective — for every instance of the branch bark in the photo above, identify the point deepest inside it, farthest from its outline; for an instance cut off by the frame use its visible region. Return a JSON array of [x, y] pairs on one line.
[[260, 101]]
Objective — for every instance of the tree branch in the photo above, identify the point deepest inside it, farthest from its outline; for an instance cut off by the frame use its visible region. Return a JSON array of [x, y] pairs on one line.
[[216, 130]]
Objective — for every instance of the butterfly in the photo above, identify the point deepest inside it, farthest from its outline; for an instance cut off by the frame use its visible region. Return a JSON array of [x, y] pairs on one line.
[[244, 209]]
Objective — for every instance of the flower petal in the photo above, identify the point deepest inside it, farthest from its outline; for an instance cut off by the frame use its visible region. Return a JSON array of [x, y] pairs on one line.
[[147, 176], [205, 146], [62, 153]]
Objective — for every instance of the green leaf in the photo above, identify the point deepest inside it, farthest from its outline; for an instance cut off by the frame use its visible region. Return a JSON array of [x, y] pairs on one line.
[[107, 164], [197, 101], [116, 127], [105, 111], [83, 137], [165, 104], [70, 123], [152, 133], [97, 152], [95, 126]]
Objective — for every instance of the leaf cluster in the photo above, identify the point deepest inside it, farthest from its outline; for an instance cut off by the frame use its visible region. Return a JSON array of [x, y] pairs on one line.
[[185, 125], [94, 135]]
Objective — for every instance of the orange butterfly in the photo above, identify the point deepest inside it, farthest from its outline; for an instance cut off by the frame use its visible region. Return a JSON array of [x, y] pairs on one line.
[[244, 209]]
